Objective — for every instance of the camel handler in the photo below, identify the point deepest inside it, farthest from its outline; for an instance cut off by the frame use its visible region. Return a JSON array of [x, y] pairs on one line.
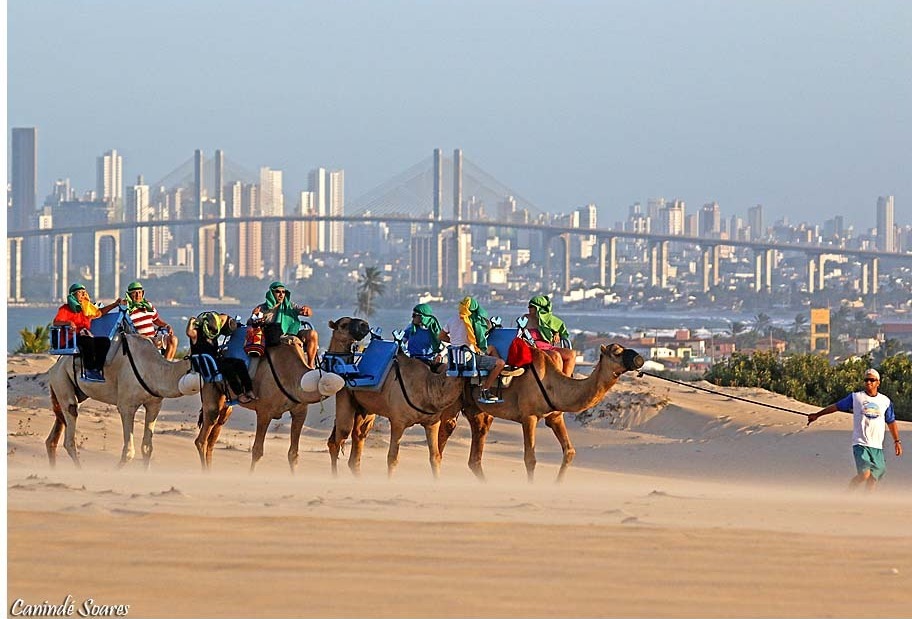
[[147, 322], [78, 313], [278, 309], [872, 413]]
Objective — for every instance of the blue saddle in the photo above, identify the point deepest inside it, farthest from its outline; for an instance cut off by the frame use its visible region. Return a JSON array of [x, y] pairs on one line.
[[63, 339], [501, 340], [234, 349], [369, 370]]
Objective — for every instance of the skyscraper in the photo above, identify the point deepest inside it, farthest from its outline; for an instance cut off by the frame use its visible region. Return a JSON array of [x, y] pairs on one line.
[[316, 184], [139, 239], [23, 178], [886, 231], [755, 221], [335, 242], [710, 220], [109, 178]]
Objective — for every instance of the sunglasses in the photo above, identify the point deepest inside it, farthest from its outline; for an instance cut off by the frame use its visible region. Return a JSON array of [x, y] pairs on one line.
[[870, 380], [278, 292]]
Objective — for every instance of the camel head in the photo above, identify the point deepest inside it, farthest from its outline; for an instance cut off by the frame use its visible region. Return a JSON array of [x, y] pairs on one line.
[[626, 359], [347, 331]]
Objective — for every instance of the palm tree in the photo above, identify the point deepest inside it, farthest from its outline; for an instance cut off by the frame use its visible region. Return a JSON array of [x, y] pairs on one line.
[[35, 339], [762, 324], [370, 285]]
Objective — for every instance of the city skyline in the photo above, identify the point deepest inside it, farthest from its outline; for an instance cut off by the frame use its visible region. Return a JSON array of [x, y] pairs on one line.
[[799, 108]]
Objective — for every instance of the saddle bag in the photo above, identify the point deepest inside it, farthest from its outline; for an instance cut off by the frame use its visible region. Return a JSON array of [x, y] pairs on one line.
[[272, 334], [253, 342], [520, 353]]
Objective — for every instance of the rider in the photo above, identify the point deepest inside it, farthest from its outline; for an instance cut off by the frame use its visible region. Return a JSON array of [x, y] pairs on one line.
[[422, 336], [470, 329], [547, 330], [145, 319], [78, 313], [279, 309], [203, 331]]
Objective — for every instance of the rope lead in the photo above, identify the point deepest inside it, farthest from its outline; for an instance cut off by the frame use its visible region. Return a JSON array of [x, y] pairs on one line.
[[727, 395]]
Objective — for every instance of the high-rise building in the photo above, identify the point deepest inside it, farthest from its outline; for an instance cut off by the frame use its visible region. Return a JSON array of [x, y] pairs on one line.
[[23, 178], [139, 239], [710, 220], [671, 218], [316, 184], [886, 230], [335, 242], [755, 221], [109, 178]]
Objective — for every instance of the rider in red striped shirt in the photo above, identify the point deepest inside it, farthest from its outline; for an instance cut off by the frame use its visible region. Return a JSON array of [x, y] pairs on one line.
[[146, 320]]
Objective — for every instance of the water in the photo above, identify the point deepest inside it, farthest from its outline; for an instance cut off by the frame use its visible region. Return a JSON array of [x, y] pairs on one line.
[[595, 321]]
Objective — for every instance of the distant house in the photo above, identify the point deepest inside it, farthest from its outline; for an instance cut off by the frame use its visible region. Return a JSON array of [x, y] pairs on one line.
[[900, 331]]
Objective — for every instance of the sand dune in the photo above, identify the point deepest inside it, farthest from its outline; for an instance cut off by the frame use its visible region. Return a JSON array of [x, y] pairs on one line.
[[680, 503]]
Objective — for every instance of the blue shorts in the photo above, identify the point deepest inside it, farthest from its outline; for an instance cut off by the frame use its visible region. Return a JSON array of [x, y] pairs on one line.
[[869, 459]]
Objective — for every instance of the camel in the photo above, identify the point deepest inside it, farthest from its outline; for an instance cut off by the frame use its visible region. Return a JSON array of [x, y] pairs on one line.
[[525, 403], [428, 399], [122, 387], [276, 393]]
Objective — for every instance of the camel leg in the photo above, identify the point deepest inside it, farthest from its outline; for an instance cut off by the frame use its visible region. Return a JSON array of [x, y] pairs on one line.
[[392, 457], [528, 427], [335, 442], [342, 428], [432, 432], [50, 444], [359, 435], [152, 410], [480, 424], [262, 425], [447, 427], [559, 427], [127, 418], [224, 414], [202, 439], [297, 426], [69, 435]]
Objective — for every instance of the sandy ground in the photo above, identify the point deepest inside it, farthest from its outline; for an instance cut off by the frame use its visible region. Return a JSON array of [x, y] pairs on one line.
[[680, 503]]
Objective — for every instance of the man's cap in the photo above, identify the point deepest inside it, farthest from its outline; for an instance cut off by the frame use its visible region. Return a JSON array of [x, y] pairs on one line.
[[872, 373], [76, 287], [134, 286]]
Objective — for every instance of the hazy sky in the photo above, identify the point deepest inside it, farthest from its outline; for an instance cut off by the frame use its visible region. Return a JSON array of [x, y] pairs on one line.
[[803, 107]]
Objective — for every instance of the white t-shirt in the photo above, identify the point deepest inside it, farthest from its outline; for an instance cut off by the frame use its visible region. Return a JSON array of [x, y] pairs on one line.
[[459, 335], [870, 417]]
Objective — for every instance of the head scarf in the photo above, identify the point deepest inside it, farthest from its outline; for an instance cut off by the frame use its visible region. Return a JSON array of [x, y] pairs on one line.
[[475, 318], [428, 321], [84, 307], [210, 323], [548, 323], [142, 303], [285, 313]]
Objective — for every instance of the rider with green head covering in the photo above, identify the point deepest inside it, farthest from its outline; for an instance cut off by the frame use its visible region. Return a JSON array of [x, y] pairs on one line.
[[147, 322], [469, 329], [422, 336], [547, 330], [279, 309], [548, 323]]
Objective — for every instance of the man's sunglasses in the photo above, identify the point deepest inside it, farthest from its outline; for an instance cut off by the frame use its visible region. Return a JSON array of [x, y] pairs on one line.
[[870, 380]]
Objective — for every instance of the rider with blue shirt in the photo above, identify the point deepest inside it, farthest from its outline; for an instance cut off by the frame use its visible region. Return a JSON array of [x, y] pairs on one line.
[[422, 336]]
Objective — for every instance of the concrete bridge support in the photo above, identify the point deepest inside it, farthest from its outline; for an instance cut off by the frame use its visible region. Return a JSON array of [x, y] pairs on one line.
[[812, 275], [608, 262], [875, 267], [60, 267], [658, 264], [565, 242], [100, 235], [14, 268], [763, 270]]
